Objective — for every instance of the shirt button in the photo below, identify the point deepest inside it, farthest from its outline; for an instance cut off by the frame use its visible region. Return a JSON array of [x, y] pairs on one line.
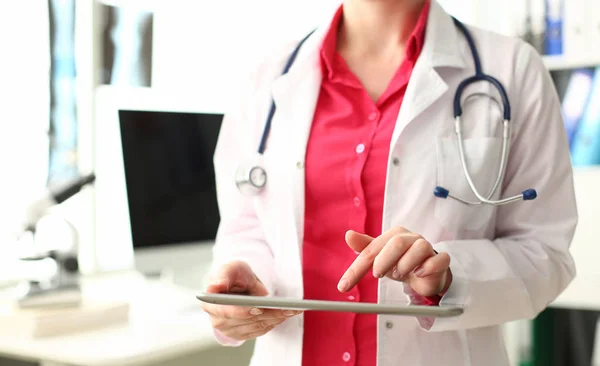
[[346, 356], [299, 165], [389, 325], [373, 116], [396, 161], [356, 201], [360, 148]]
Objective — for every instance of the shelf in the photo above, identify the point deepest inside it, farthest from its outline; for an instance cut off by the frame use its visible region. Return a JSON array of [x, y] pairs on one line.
[[565, 62]]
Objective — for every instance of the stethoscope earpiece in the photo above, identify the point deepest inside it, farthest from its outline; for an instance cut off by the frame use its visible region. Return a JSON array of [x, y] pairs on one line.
[[441, 192], [529, 194]]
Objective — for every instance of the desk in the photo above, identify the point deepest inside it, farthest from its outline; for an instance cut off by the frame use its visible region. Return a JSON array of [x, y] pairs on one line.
[[166, 322]]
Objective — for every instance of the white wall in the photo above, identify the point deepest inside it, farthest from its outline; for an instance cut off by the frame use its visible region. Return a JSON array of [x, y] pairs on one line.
[[24, 93], [207, 44], [463, 10], [506, 17]]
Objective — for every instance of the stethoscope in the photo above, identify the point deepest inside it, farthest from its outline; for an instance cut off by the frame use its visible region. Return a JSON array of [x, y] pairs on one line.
[[251, 178]]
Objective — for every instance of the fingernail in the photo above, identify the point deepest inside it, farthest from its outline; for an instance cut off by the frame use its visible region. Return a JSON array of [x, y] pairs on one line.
[[343, 285], [419, 271], [255, 311], [289, 313], [396, 274], [376, 274]]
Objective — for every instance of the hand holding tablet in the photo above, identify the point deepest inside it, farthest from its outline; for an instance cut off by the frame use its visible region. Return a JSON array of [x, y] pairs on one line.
[[241, 322]]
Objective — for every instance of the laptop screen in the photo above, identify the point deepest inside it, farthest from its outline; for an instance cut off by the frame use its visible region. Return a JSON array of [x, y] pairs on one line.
[[169, 176]]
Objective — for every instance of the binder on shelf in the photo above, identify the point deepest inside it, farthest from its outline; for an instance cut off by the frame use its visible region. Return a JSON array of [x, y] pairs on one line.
[[536, 24], [574, 30], [576, 100], [553, 44], [586, 143], [506, 17], [592, 28]]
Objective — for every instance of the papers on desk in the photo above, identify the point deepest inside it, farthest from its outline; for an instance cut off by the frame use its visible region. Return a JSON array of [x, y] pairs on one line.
[[47, 322]]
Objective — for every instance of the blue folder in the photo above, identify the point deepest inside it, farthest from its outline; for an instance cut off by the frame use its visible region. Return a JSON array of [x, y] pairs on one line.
[[586, 143], [575, 101]]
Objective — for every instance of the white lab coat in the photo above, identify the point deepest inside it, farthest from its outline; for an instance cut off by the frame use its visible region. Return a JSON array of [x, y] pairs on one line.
[[508, 263]]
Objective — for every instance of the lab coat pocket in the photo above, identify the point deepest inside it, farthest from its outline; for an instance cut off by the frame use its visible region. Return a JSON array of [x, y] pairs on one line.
[[483, 160]]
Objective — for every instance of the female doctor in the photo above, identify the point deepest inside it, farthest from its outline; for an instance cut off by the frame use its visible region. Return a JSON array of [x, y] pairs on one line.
[[365, 187]]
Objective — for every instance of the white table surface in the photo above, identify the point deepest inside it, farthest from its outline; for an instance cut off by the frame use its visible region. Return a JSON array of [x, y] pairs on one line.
[[166, 321]]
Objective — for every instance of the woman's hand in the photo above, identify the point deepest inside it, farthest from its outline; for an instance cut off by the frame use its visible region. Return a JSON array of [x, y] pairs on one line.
[[400, 255], [237, 322]]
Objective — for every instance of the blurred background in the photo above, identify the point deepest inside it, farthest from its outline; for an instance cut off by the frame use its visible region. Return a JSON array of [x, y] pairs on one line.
[[105, 103]]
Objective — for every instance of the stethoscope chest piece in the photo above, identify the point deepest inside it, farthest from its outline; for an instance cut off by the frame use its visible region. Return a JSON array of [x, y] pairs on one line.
[[251, 178]]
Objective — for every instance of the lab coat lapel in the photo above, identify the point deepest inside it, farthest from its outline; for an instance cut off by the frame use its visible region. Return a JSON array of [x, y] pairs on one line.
[[442, 48], [295, 95], [295, 99], [425, 87]]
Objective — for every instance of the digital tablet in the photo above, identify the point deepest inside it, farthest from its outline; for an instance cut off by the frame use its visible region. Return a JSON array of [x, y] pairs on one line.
[[339, 306]]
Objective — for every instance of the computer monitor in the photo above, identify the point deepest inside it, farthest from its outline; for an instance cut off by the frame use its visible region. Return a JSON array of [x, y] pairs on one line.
[[156, 206], [169, 175]]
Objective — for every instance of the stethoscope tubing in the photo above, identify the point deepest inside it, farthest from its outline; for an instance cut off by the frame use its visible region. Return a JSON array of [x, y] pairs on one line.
[[439, 192]]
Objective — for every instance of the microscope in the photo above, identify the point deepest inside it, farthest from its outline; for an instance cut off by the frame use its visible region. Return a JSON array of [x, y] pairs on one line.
[[63, 287]]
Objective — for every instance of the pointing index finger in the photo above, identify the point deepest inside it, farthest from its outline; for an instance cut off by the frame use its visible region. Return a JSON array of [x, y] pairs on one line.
[[364, 261]]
